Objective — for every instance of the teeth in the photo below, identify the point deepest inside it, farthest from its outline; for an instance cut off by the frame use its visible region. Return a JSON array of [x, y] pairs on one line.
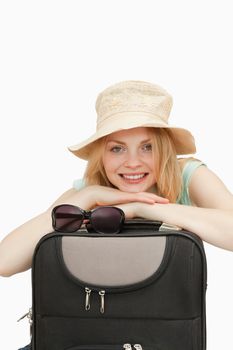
[[133, 177]]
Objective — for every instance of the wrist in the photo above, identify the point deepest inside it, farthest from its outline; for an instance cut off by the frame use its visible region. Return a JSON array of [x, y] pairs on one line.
[[151, 211], [85, 199], [139, 210]]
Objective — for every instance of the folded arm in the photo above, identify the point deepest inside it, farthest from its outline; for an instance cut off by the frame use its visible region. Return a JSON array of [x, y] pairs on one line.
[[16, 249], [211, 217]]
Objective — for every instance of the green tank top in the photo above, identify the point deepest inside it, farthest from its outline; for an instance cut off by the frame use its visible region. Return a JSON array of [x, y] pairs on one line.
[[187, 172]]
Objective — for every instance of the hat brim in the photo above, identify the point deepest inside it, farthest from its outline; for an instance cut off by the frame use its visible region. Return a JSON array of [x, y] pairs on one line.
[[183, 139]]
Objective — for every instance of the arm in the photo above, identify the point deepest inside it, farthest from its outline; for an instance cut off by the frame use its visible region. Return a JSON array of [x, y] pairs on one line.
[[16, 249], [212, 217]]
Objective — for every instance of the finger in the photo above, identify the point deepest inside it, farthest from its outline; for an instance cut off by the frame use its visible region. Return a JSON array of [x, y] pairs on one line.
[[146, 199], [151, 198], [162, 200], [136, 197], [156, 198]]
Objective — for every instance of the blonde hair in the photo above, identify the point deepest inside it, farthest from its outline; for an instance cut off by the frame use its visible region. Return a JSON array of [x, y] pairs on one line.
[[167, 167]]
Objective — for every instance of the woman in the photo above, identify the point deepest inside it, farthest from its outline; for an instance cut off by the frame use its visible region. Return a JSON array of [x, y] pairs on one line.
[[133, 164]]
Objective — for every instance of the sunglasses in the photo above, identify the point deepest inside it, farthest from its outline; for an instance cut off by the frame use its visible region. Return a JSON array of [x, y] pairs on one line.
[[105, 219]]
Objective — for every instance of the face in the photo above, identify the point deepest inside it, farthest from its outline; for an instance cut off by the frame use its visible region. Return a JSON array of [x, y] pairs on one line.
[[128, 160]]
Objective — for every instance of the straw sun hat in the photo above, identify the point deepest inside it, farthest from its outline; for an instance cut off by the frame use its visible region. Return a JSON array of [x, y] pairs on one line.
[[131, 104]]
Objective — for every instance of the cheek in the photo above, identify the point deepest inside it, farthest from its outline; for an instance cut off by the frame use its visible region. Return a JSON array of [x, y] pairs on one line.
[[149, 161], [109, 163]]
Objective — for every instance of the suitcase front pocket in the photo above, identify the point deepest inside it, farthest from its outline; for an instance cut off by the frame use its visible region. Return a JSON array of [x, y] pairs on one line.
[[62, 333], [118, 268]]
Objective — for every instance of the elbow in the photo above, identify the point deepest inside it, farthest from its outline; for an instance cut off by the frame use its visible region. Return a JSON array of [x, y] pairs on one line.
[[8, 273], [6, 269], [9, 269], [4, 272]]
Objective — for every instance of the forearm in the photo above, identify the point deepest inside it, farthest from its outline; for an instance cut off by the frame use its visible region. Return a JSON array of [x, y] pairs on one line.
[[214, 226], [16, 249]]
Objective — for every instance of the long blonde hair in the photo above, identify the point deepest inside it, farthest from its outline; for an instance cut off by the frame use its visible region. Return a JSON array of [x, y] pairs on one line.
[[167, 167]]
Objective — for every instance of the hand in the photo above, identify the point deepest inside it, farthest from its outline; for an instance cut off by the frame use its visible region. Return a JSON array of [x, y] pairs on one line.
[[130, 209], [102, 195], [144, 210]]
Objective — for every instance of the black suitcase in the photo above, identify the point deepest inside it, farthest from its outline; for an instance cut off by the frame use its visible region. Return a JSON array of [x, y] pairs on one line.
[[143, 288]]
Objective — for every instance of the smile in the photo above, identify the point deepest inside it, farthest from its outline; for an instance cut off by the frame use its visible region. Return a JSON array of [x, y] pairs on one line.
[[133, 176]]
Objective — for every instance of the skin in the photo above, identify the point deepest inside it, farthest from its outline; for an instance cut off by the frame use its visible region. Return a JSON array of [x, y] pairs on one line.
[[211, 216], [129, 153]]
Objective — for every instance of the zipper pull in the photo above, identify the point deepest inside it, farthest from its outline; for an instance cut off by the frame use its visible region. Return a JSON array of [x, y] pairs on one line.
[[22, 317], [127, 346], [138, 346], [28, 315], [102, 293], [87, 301]]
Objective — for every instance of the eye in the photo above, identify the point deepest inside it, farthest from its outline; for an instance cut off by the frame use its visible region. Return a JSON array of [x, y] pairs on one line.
[[117, 149], [147, 147]]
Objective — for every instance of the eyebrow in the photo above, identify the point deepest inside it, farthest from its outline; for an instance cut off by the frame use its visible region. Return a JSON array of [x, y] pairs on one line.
[[123, 143]]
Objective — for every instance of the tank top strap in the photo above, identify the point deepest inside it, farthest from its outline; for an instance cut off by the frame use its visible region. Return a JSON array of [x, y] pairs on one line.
[[187, 173]]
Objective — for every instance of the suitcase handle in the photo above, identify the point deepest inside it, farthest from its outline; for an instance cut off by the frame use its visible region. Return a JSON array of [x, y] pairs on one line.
[[159, 225]]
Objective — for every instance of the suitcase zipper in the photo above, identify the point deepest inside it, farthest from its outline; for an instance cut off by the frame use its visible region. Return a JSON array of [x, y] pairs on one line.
[[128, 346], [102, 294], [138, 346], [88, 299]]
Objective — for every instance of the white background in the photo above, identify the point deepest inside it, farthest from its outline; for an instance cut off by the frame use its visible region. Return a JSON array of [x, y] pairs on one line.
[[56, 56]]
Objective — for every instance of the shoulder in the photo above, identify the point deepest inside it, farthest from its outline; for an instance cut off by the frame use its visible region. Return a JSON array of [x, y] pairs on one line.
[[188, 167], [208, 191], [189, 162]]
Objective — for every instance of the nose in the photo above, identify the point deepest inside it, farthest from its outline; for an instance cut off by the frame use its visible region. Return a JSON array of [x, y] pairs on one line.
[[132, 160]]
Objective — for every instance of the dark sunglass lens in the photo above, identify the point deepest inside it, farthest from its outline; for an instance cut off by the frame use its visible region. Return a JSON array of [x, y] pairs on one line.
[[67, 218], [107, 219]]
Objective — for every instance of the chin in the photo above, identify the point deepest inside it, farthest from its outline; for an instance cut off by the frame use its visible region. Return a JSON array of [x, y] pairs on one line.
[[133, 189]]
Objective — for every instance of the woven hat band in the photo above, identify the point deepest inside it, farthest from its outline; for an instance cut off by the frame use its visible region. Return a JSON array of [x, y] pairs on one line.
[[131, 118]]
